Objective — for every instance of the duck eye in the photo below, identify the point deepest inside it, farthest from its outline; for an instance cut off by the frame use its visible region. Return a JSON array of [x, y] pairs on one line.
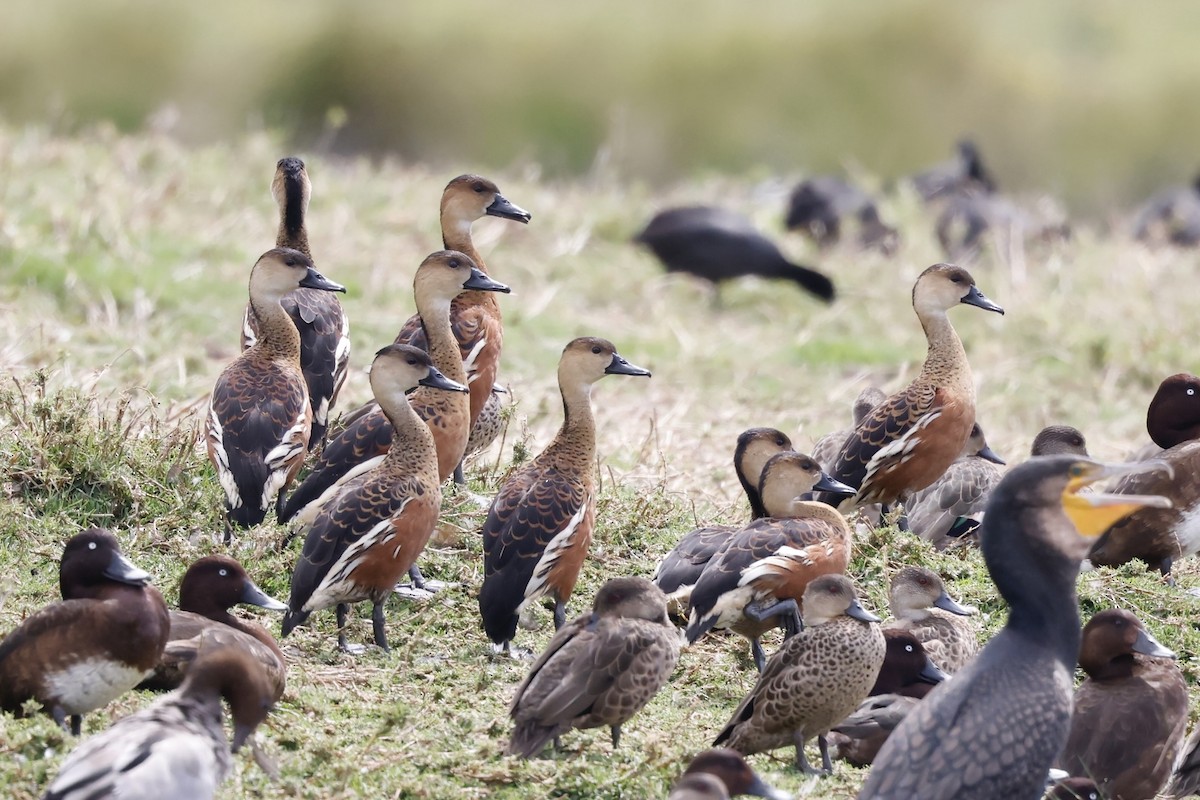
[[1076, 471], [479, 188], [453, 263], [908, 648], [956, 278], [596, 349], [91, 545], [222, 572], [1191, 391]]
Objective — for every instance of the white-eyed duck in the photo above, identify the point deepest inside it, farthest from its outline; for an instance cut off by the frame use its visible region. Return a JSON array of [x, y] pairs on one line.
[[921, 606], [719, 774], [80, 654], [755, 582], [371, 532], [1130, 714], [966, 171], [908, 441], [907, 668], [210, 587], [259, 418], [1158, 536], [441, 277], [717, 245], [539, 526], [993, 730], [176, 747], [318, 315], [818, 205], [598, 670], [815, 680]]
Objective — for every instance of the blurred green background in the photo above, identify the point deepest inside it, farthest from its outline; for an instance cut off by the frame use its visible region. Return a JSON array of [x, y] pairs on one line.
[[1095, 101]]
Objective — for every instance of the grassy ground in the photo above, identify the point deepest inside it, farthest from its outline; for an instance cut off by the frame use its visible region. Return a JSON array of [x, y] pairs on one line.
[[123, 262]]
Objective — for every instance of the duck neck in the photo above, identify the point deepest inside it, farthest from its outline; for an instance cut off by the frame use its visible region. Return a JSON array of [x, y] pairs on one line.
[[757, 509], [456, 235], [201, 603], [293, 232], [1111, 669], [576, 438], [946, 360], [443, 348], [413, 449], [278, 338]]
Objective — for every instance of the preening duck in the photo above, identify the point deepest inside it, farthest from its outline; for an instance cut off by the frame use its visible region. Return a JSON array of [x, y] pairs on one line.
[[80, 654], [1129, 717], [908, 441], [962, 491], [539, 526], [1158, 536], [176, 747], [441, 277], [210, 587], [720, 773], [318, 315], [259, 419], [994, 729], [815, 680], [372, 531], [598, 670], [917, 599]]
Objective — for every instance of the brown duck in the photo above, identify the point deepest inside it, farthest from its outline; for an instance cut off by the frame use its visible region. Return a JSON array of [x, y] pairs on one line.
[[917, 599], [755, 582], [827, 448], [1158, 536], [1129, 717], [372, 531], [908, 441], [815, 680], [318, 315], [859, 737], [598, 670], [259, 419], [961, 492], [539, 526], [718, 774]]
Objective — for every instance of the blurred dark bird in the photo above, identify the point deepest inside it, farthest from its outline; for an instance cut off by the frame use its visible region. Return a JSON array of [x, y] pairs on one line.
[[1074, 789], [817, 206], [994, 729], [717, 245], [965, 171], [718, 774], [968, 216], [1171, 216]]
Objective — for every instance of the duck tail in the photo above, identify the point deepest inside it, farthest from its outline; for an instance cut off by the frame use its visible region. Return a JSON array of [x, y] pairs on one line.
[[528, 738], [293, 619], [812, 281]]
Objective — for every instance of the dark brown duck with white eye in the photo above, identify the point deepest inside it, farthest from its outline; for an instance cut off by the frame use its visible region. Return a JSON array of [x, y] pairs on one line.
[[210, 587], [106, 635], [1159, 536], [907, 668], [1130, 715], [718, 774], [921, 606], [962, 491], [598, 670], [259, 420], [318, 315]]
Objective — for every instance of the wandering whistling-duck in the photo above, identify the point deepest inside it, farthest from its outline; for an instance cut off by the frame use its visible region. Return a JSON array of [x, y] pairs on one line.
[[964, 172], [539, 527], [1158, 536], [323, 325], [718, 774], [682, 566], [993, 729], [598, 670], [908, 441], [818, 205], [961, 492], [859, 737], [1129, 717], [826, 449], [755, 581], [259, 418], [717, 245], [175, 747], [210, 587], [372, 531], [816, 678], [80, 654], [917, 599], [441, 277]]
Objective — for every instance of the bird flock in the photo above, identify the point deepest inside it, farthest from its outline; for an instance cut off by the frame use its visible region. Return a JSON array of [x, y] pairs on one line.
[[935, 714]]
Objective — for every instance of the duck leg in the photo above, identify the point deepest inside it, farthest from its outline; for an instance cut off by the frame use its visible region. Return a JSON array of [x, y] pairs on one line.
[[826, 763], [76, 724], [760, 658], [460, 479], [802, 764], [560, 614], [787, 611], [414, 575], [616, 736], [1164, 567], [377, 626], [342, 611]]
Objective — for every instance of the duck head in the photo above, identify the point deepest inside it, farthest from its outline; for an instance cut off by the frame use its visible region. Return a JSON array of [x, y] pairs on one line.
[[977, 446], [470, 197], [92, 561], [914, 590], [905, 663], [240, 679], [446, 274], [400, 368], [291, 189], [943, 286], [631, 598], [1058, 439], [788, 475], [730, 768], [831, 596], [282, 270], [214, 584], [1174, 414], [588, 359], [1109, 642]]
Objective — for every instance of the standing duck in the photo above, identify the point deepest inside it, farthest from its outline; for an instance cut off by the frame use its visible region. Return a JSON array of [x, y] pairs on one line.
[[1130, 715], [80, 654], [539, 526], [815, 679], [961, 492], [916, 598], [318, 315], [176, 747], [210, 587], [259, 417], [441, 277], [756, 580], [718, 774], [683, 565], [909, 440], [372, 531], [1158, 536], [994, 729], [599, 670], [827, 448]]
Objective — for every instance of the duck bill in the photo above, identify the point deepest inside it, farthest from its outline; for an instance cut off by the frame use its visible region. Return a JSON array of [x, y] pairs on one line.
[[858, 612], [760, 788], [619, 366], [976, 298], [931, 673], [947, 603], [501, 207], [241, 732], [827, 483], [1147, 645], [315, 280], [482, 283], [254, 596], [988, 454], [122, 570], [1095, 513], [436, 380]]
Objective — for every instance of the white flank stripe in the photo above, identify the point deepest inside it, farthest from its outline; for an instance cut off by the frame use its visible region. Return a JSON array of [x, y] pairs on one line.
[[469, 361], [550, 556], [248, 336], [729, 607], [216, 437], [306, 515], [899, 448], [336, 587], [279, 459], [775, 564]]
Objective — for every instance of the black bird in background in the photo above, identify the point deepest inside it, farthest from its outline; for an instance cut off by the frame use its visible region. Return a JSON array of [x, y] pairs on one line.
[[716, 244]]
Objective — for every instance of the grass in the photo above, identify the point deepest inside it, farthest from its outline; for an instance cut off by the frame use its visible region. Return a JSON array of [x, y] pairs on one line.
[[123, 261]]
